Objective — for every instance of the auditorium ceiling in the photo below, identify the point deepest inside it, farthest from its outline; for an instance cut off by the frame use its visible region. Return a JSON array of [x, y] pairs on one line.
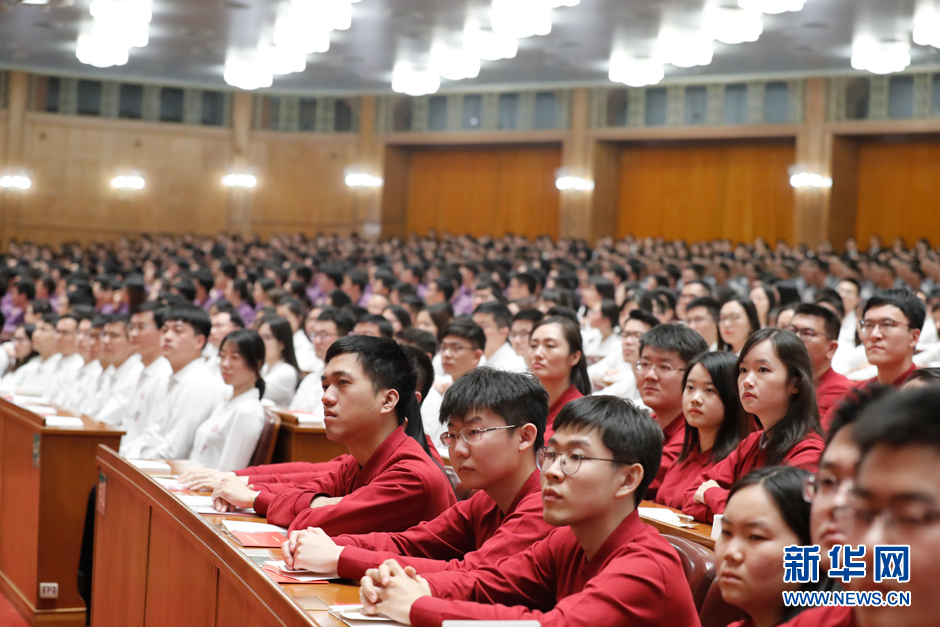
[[189, 41]]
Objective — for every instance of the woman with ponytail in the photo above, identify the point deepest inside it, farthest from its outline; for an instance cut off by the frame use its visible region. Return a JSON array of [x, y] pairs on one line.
[[228, 438]]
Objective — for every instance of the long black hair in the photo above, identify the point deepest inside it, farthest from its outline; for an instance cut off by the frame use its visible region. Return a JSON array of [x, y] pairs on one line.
[[735, 425], [251, 347], [802, 417], [749, 310], [282, 332], [572, 332], [28, 330]]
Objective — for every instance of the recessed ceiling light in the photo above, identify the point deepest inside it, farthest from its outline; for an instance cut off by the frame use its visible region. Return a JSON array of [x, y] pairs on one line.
[[40, 2]]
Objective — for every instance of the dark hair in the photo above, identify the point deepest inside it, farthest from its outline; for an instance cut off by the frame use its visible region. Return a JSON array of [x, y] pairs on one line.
[[424, 369], [702, 282], [282, 332], [468, 330], [293, 305], [500, 312], [642, 298], [610, 310], [749, 310], [240, 286], [831, 297], [425, 340], [562, 312], [358, 278], [386, 365], [158, 312], [629, 432], [561, 297], [852, 404], [446, 286], [385, 327], [80, 297], [802, 417], [492, 287], [26, 287], [186, 289], [735, 425], [532, 315], [912, 307], [204, 277], [769, 293], [676, 338], [195, 317], [515, 397], [339, 298], [572, 333], [40, 306], [401, 314], [28, 329], [900, 419], [343, 320], [528, 279], [441, 314], [831, 322], [604, 286], [251, 347], [930, 376], [645, 317]]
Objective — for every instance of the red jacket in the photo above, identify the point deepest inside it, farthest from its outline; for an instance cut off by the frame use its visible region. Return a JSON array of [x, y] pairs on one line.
[[682, 476], [896, 383], [841, 616], [742, 460], [471, 534], [673, 437], [635, 579], [398, 487], [831, 388], [569, 395]]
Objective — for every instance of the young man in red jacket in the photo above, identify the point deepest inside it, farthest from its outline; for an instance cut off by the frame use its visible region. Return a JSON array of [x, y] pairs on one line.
[[495, 421], [890, 329], [389, 482], [819, 327], [601, 566], [894, 504]]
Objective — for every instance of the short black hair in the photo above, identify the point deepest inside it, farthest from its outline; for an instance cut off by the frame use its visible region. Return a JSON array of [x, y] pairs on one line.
[[424, 369], [158, 311], [343, 319], [385, 327], [186, 289], [424, 340], [831, 321], [500, 312], [293, 305], [468, 330], [532, 315], [930, 376], [358, 278], [851, 406], [195, 317], [912, 307], [517, 398], [26, 287], [645, 317], [900, 419], [676, 338], [528, 279], [40, 306], [604, 286], [80, 297], [446, 286], [629, 432], [610, 310]]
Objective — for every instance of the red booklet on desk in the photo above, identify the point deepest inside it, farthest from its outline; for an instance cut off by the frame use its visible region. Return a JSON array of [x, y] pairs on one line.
[[264, 540]]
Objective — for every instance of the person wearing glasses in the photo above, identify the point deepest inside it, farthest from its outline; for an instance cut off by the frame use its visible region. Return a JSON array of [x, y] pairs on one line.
[[665, 350], [556, 358], [66, 329], [126, 366], [388, 482], [601, 565], [495, 422], [894, 500], [890, 329], [775, 385], [818, 327], [620, 380], [44, 343]]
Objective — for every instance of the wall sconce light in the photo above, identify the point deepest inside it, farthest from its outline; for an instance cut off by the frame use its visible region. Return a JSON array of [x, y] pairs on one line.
[[359, 179], [240, 180], [801, 178], [16, 180], [130, 182], [567, 180]]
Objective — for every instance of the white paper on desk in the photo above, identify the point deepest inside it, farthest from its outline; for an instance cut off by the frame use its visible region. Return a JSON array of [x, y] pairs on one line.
[[42, 410], [306, 418], [24, 400], [280, 566], [662, 515], [203, 505], [245, 526], [352, 614], [171, 484], [149, 464], [64, 421]]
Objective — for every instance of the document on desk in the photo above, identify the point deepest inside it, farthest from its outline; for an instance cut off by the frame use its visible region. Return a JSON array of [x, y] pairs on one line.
[[352, 615], [246, 526], [24, 400], [256, 535], [149, 464], [278, 571], [171, 484], [203, 505], [73, 422], [306, 417], [665, 515], [40, 410]]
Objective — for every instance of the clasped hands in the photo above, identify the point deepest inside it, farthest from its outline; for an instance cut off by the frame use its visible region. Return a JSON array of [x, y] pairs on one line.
[[391, 590]]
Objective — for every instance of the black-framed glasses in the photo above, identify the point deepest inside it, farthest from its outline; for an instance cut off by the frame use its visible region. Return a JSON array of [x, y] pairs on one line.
[[469, 435], [570, 464], [805, 333], [815, 486]]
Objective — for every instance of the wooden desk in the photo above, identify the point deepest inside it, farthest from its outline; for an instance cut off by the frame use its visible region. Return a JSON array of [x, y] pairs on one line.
[[303, 443], [158, 563], [700, 534], [46, 474]]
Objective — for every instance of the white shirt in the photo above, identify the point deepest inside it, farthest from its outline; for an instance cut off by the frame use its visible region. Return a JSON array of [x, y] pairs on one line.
[[210, 351], [430, 419], [505, 358], [611, 345], [14, 379], [189, 398], [5, 360], [155, 377], [280, 383], [613, 361], [75, 395], [228, 438], [625, 387], [309, 396], [122, 385], [303, 350], [41, 379], [100, 395]]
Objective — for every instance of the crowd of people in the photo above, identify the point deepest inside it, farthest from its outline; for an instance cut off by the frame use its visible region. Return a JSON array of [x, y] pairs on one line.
[[763, 389]]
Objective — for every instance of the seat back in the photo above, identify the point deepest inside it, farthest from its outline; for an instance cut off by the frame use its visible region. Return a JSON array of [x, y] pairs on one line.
[[264, 451], [698, 564], [716, 612]]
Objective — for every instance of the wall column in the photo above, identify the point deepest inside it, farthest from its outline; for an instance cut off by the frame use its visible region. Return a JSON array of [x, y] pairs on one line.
[[811, 207], [13, 157], [371, 155], [574, 211], [240, 200]]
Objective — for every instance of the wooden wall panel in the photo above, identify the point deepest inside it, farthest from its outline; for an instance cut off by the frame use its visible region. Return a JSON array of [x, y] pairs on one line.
[[738, 191], [486, 191], [897, 190]]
